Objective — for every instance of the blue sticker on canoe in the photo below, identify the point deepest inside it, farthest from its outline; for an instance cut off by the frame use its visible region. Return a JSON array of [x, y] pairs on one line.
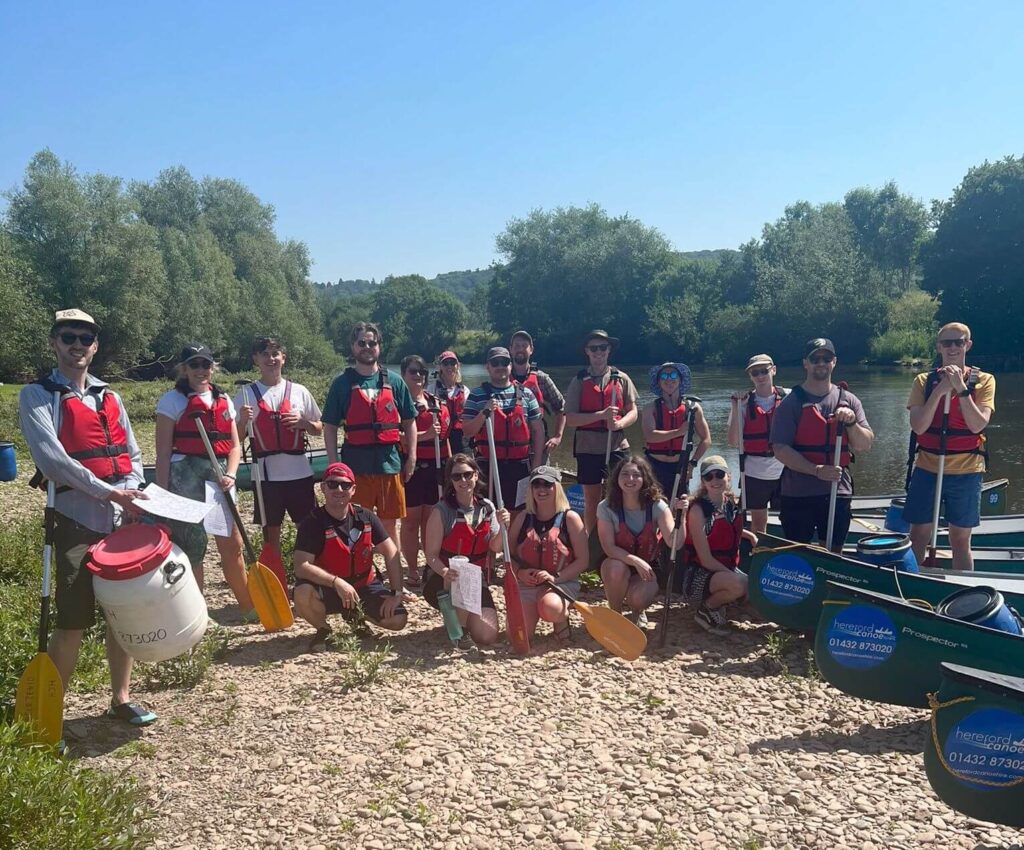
[[575, 497], [787, 579], [988, 745], [861, 637]]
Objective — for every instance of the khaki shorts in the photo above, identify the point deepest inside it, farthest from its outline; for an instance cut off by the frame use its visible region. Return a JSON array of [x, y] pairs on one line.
[[381, 493], [76, 604]]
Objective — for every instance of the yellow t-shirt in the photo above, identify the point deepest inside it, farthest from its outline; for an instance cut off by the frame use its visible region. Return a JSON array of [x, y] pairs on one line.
[[958, 464]]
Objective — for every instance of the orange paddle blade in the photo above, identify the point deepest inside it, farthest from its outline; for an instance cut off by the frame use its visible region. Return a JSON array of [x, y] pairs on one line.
[[514, 616], [613, 631], [269, 599], [271, 559], [40, 699]]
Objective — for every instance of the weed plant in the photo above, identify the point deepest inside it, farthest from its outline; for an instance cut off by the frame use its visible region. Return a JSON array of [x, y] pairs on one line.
[[188, 669]]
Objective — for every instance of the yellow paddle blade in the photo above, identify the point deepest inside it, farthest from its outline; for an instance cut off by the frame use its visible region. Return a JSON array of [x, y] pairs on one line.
[[870, 526], [613, 631], [269, 599], [40, 699]]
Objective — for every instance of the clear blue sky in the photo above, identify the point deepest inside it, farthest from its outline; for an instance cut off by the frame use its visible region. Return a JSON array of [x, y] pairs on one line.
[[403, 138]]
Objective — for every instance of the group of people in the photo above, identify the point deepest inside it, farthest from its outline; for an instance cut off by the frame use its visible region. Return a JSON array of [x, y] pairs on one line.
[[424, 456]]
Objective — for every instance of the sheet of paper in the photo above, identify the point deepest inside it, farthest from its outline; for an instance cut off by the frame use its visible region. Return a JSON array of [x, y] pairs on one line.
[[466, 589], [218, 521], [171, 506], [521, 487]]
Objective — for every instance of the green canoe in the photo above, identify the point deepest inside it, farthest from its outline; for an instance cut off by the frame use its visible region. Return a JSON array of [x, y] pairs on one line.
[[974, 750], [788, 581], [883, 648]]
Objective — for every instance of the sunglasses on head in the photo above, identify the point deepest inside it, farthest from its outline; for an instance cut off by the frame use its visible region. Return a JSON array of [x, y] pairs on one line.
[[339, 485], [959, 342], [819, 359], [713, 475], [668, 376], [367, 343], [449, 362], [604, 346], [198, 363], [463, 476], [759, 373], [421, 373], [69, 338], [541, 484], [498, 362]]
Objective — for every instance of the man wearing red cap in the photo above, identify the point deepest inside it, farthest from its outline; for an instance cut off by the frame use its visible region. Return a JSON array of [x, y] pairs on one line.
[[334, 571]]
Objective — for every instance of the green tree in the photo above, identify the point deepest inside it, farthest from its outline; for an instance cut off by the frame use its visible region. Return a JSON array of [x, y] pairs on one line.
[[416, 317], [910, 329], [890, 229], [680, 303], [24, 319]]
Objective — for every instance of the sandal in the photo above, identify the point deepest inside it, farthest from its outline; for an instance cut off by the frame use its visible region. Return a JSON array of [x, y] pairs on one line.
[[132, 713], [563, 632]]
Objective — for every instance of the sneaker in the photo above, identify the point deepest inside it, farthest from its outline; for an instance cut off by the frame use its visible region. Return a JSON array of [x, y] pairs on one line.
[[641, 620], [711, 619], [318, 643]]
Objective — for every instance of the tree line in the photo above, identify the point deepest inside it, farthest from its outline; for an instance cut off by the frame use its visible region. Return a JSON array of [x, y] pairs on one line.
[[163, 262]]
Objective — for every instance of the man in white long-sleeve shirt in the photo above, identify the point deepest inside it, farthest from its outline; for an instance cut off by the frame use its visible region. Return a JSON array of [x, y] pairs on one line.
[[90, 454]]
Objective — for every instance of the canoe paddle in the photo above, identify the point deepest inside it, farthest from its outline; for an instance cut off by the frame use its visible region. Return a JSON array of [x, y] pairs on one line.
[[684, 464], [268, 597], [40, 696], [834, 491], [514, 614], [936, 506], [435, 412], [743, 457], [268, 556], [609, 628]]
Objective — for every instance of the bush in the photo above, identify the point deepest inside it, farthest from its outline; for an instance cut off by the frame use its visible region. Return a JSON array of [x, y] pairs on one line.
[[47, 802], [189, 669]]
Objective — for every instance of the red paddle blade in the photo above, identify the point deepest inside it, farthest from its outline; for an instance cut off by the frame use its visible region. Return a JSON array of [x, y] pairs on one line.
[[514, 616], [271, 558]]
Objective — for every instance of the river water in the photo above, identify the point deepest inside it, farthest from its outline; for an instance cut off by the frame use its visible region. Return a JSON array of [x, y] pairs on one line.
[[883, 391]]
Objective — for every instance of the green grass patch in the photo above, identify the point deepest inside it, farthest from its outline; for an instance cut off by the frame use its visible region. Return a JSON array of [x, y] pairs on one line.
[[190, 668], [47, 803]]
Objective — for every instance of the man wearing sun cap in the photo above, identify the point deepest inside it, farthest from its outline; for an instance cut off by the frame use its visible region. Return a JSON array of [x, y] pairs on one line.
[[665, 421], [750, 423], [334, 572]]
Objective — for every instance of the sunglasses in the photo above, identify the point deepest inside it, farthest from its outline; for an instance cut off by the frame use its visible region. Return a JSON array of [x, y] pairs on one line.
[[463, 476], [69, 338], [339, 485], [199, 363], [541, 484], [420, 373], [668, 376], [959, 342], [604, 346], [760, 373], [367, 343], [819, 359], [449, 362], [499, 362], [714, 474]]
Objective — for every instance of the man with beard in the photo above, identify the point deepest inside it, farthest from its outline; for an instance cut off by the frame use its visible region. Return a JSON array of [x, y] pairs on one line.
[[803, 437], [551, 401], [376, 408]]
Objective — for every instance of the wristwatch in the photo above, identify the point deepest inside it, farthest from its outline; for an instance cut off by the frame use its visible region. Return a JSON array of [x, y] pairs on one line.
[[964, 392]]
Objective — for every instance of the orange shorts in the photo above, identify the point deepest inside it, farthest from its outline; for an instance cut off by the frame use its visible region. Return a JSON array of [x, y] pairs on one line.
[[381, 493]]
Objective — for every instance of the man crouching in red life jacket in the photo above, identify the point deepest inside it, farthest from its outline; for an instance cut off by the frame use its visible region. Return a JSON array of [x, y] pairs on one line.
[[714, 529], [803, 437], [972, 396], [334, 572]]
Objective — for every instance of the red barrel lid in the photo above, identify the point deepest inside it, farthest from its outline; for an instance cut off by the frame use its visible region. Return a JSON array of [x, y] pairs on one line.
[[130, 551]]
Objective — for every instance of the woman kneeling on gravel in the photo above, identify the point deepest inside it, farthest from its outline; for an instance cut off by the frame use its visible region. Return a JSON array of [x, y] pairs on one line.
[[464, 523], [632, 522], [714, 531], [550, 547]]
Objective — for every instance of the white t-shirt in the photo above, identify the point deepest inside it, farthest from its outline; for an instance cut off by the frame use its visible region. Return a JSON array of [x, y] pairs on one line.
[[763, 468], [172, 404], [282, 467], [634, 519]]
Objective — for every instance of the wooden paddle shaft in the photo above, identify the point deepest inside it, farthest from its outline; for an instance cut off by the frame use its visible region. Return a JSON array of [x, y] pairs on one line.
[[937, 503]]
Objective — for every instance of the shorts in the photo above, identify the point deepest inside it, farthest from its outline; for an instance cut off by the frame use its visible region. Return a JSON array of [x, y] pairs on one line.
[[381, 493], [762, 493], [295, 496], [188, 478], [530, 595], [591, 469], [73, 594], [511, 472], [421, 489], [665, 472], [435, 584], [371, 597], [805, 518], [961, 499]]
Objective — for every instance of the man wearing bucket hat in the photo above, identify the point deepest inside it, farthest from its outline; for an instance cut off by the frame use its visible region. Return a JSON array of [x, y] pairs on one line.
[[665, 422], [750, 424], [803, 436], [549, 397], [334, 571], [85, 445], [600, 404]]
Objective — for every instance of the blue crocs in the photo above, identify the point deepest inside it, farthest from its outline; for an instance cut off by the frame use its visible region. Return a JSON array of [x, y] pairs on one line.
[[132, 713]]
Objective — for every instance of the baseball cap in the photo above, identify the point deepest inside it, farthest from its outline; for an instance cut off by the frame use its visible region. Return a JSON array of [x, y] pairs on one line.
[[73, 317], [195, 349], [713, 462], [523, 334], [760, 360], [546, 473], [447, 355], [498, 351], [339, 470], [819, 344]]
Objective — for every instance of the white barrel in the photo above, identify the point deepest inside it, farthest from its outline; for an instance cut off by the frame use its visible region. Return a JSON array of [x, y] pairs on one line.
[[145, 586]]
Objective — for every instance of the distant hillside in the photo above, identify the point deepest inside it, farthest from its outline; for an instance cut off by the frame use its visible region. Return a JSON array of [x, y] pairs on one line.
[[461, 284]]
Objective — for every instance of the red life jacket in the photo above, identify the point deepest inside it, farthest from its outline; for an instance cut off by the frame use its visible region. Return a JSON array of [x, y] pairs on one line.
[[372, 423], [550, 552], [270, 437], [643, 545], [469, 541], [511, 431], [593, 398], [757, 425], [349, 557], [676, 418], [960, 439], [94, 438], [816, 436], [532, 384], [425, 422], [216, 420], [454, 399], [724, 531]]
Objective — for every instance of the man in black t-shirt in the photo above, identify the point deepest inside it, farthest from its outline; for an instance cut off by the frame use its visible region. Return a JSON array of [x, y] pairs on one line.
[[334, 571]]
